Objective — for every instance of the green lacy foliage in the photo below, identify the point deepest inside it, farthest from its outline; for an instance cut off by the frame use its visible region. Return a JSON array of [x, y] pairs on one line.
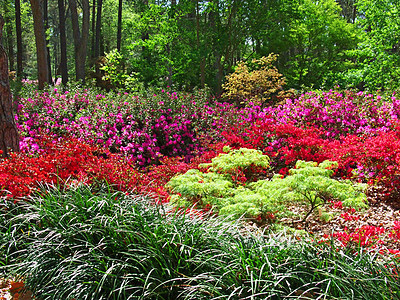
[[238, 161], [309, 184], [222, 184]]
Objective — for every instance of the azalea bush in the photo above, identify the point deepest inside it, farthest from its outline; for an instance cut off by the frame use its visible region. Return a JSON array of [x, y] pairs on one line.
[[70, 161], [143, 127], [340, 113]]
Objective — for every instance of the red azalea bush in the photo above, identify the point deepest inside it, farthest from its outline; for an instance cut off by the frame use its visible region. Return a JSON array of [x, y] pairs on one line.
[[283, 143], [366, 236], [68, 160], [372, 159], [368, 158]]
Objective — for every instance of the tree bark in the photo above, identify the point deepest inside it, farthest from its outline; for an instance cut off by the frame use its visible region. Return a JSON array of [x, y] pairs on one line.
[[63, 42], [119, 29], [18, 31], [80, 37], [41, 49], [93, 28], [46, 26], [9, 139], [98, 29]]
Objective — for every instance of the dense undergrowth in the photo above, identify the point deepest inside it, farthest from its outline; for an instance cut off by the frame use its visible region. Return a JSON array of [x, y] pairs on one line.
[[112, 161]]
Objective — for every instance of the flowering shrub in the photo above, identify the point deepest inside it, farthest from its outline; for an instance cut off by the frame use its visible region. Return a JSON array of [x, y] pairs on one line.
[[63, 162], [140, 127], [284, 143], [262, 85], [395, 232], [144, 128], [338, 113], [366, 236], [372, 159]]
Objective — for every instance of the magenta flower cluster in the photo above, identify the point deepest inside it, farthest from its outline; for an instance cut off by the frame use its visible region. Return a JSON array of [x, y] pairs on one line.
[[339, 113], [144, 128], [149, 126]]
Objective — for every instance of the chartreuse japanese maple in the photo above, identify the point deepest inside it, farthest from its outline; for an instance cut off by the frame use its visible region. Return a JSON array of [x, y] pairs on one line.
[[222, 185], [308, 184], [311, 184]]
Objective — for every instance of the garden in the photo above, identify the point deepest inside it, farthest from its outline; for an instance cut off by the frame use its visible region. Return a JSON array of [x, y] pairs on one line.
[[175, 195]]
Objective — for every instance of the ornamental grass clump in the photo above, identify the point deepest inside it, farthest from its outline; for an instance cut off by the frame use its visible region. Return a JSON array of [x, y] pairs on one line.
[[89, 242]]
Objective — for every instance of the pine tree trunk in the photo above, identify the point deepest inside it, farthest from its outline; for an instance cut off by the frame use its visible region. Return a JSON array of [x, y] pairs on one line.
[[119, 28], [46, 27], [10, 39], [9, 139], [40, 38], [18, 31], [98, 29], [80, 36], [63, 42]]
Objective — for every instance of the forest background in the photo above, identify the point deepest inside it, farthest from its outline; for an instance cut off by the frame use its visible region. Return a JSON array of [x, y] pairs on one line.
[[134, 44]]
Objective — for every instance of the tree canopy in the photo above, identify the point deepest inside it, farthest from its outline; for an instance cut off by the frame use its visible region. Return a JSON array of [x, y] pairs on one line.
[[193, 43]]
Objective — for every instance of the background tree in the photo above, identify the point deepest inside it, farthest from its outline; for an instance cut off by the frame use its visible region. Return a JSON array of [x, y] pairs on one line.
[[9, 139], [8, 16], [81, 36], [41, 45], [119, 27], [46, 29], [375, 62], [97, 46], [18, 33], [63, 42]]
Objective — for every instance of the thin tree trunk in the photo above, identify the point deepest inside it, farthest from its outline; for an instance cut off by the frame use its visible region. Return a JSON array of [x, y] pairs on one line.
[[46, 26], [9, 139], [80, 37], [119, 29], [10, 40], [202, 57], [63, 42], [18, 31], [41, 50], [93, 28], [98, 29]]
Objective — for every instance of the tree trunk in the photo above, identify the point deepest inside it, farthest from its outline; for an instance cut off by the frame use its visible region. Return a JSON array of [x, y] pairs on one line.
[[41, 49], [145, 33], [18, 31], [46, 26], [98, 29], [80, 37], [119, 29], [63, 42], [10, 40], [200, 47], [9, 139], [93, 28]]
